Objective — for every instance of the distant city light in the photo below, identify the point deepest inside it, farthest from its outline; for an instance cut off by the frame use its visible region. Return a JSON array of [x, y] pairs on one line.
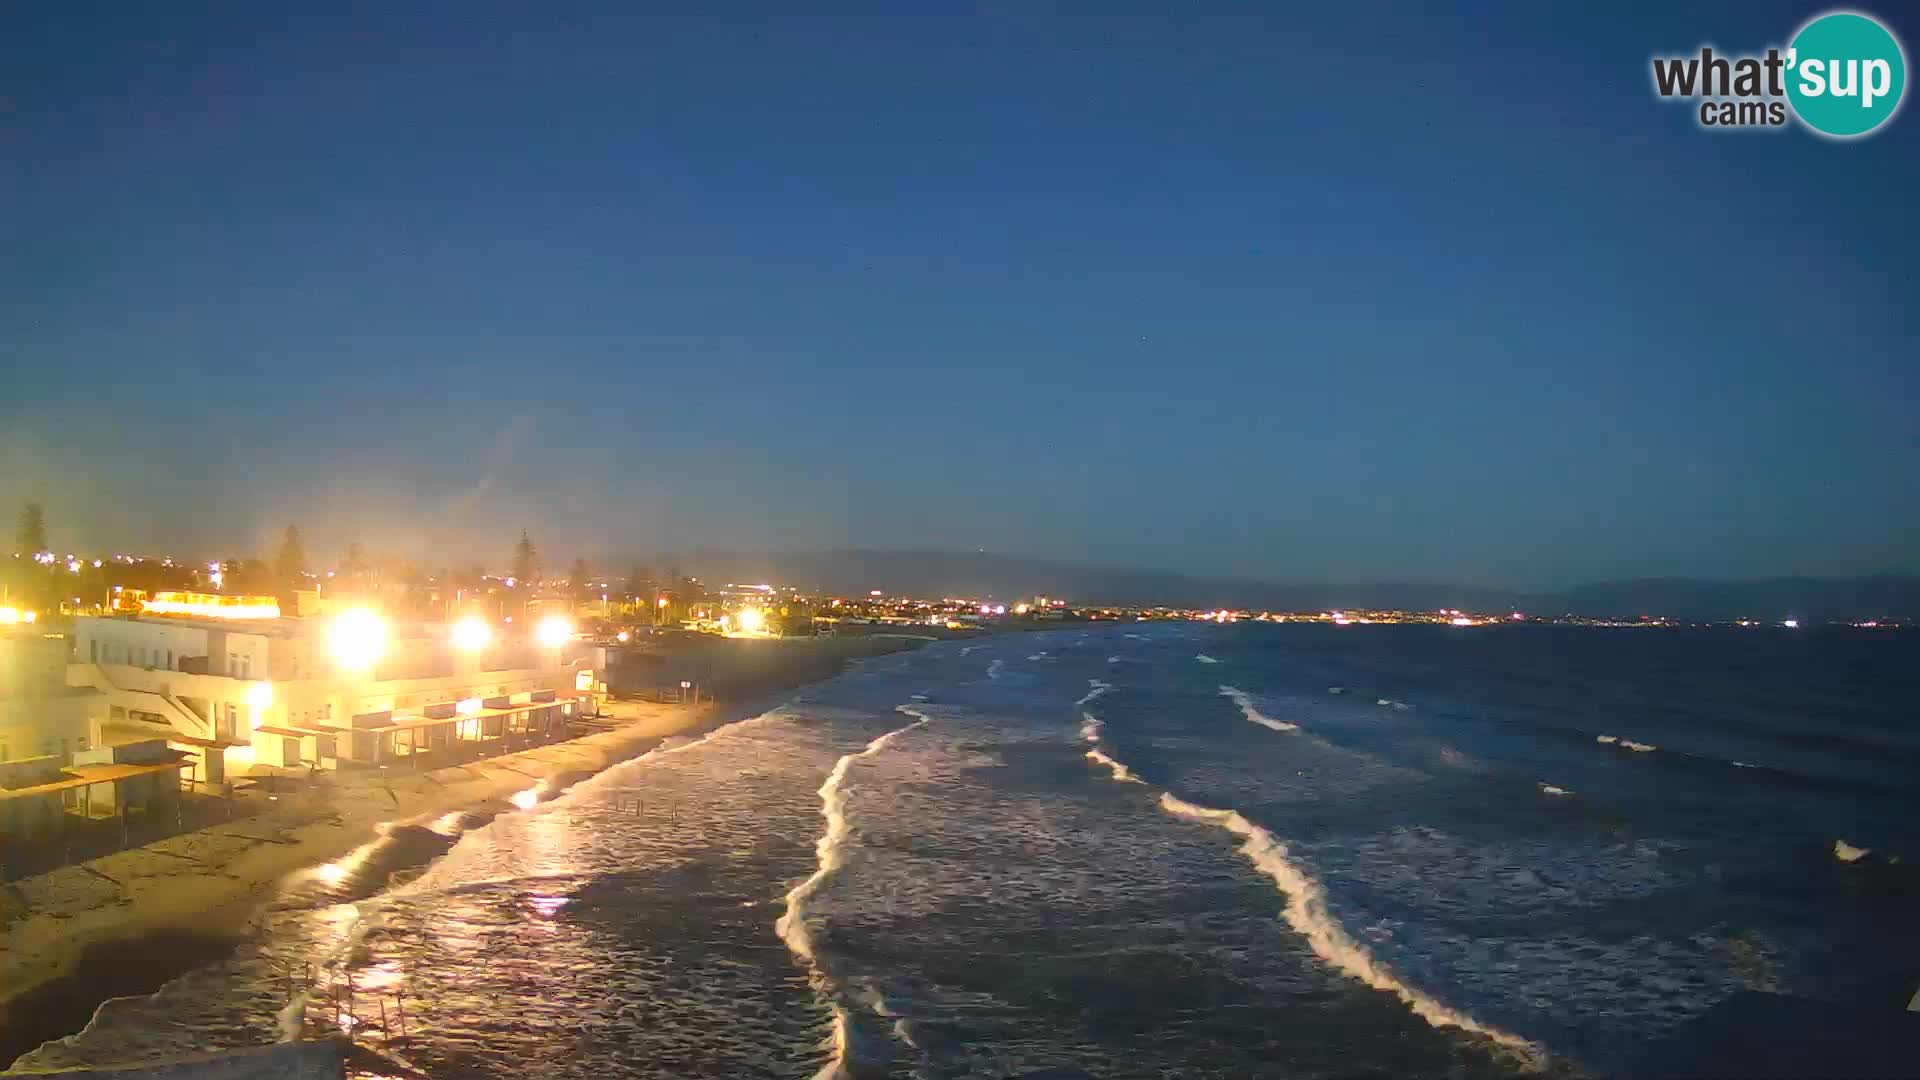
[[1021, 609], [217, 578], [471, 634], [752, 619], [357, 638], [876, 592], [73, 566], [622, 636], [1460, 620]]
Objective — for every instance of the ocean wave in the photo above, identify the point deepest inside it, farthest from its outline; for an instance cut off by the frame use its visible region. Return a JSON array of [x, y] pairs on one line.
[[1384, 702], [1099, 687], [830, 854], [1336, 689], [1120, 771], [1847, 853], [1247, 710], [1114, 660], [1306, 912], [1090, 729], [1205, 659], [994, 669], [1042, 655], [1552, 789], [1628, 744]]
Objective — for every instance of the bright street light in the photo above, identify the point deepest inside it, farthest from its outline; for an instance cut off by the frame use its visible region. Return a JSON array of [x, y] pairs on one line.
[[471, 634], [752, 619], [554, 631], [357, 638]]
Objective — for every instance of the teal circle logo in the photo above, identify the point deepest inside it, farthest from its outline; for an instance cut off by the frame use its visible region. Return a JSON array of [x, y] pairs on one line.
[[1845, 74]]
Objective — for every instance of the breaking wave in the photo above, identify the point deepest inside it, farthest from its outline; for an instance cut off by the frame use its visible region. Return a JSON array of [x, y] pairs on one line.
[[1247, 709], [830, 854], [1306, 912], [1638, 747], [1099, 687], [1205, 659]]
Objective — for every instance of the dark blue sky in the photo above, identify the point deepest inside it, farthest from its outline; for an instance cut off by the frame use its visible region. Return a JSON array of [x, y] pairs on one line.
[[1343, 294]]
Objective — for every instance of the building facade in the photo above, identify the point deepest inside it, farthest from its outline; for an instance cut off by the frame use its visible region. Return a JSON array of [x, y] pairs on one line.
[[274, 694]]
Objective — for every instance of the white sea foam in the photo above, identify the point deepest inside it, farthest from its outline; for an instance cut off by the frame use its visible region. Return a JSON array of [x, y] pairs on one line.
[[1090, 726], [1113, 659], [1247, 710], [1552, 789], [1120, 772], [1040, 656], [1383, 702], [1847, 853], [1099, 687], [1307, 913], [994, 669], [1205, 659], [965, 649], [1090, 729], [1637, 747], [1336, 689], [1607, 739], [830, 853]]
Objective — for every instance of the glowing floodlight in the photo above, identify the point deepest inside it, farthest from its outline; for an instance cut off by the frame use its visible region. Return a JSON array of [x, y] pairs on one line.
[[357, 638], [752, 619], [554, 631], [471, 634]]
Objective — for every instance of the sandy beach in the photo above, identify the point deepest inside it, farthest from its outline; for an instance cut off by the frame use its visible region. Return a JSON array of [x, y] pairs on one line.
[[125, 923]]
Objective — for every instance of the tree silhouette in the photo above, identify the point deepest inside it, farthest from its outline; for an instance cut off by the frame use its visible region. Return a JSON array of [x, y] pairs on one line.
[[291, 561], [526, 561], [33, 529]]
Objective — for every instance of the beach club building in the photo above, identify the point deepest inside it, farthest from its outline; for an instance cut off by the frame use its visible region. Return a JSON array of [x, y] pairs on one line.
[[249, 692], [54, 760]]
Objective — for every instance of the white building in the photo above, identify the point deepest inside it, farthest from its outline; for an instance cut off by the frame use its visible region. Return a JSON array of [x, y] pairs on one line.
[[54, 758], [249, 694], [40, 715]]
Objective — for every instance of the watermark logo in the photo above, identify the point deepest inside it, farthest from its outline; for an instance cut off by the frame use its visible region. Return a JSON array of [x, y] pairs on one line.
[[1843, 75]]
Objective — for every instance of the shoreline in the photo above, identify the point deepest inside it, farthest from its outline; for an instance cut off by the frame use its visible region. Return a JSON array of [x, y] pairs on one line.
[[127, 923]]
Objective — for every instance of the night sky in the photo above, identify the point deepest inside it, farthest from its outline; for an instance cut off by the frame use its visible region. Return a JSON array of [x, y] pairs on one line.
[[1344, 294]]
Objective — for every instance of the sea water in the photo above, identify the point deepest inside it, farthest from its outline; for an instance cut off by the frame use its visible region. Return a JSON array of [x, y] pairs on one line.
[[1142, 850]]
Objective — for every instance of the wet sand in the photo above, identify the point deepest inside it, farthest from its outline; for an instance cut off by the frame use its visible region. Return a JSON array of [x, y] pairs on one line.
[[128, 922]]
